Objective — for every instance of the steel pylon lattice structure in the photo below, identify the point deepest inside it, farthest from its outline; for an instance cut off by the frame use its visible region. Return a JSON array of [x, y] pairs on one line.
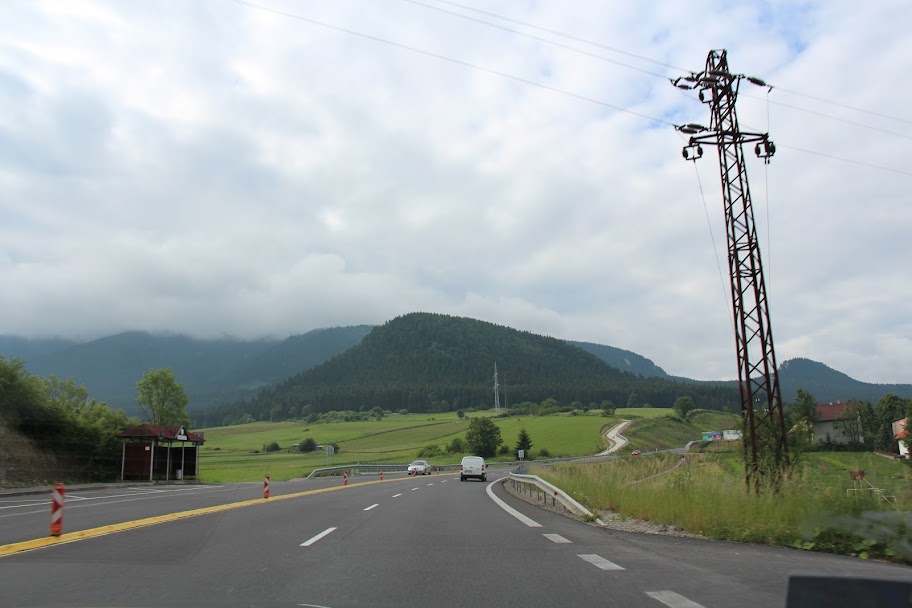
[[764, 441]]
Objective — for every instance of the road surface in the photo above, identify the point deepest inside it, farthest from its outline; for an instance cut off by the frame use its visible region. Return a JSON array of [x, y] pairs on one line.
[[614, 438], [427, 541]]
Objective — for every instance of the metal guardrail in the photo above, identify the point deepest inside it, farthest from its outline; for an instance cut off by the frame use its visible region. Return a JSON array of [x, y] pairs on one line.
[[556, 494]]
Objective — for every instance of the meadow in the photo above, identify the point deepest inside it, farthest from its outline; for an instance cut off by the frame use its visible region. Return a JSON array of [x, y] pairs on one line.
[[237, 453], [819, 506]]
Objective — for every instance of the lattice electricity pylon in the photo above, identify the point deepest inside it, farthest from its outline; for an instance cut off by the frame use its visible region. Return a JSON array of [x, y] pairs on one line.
[[764, 441]]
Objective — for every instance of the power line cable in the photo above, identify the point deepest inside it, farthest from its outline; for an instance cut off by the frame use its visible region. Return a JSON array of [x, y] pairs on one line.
[[843, 159], [845, 105], [564, 35], [539, 38], [455, 61], [525, 80], [827, 116], [662, 63]]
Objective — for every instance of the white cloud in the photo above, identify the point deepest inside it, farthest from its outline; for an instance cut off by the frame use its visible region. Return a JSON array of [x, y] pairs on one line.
[[212, 168]]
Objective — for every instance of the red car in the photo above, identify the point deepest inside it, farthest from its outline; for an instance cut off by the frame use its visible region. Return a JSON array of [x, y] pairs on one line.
[[635, 453]]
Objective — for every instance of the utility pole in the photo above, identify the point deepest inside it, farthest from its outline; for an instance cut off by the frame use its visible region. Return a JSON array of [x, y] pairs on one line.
[[496, 392], [764, 441]]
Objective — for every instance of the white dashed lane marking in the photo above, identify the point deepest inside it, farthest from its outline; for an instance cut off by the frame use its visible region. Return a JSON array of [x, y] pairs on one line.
[[430, 484], [317, 537], [372, 506], [396, 495], [413, 489], [672, 599], [600, 562], [556, 538]]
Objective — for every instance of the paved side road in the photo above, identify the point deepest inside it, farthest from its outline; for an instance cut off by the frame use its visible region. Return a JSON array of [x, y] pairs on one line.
[[615, 440]]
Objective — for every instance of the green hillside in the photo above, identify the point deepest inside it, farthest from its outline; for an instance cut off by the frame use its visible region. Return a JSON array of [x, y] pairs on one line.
[[669, 431], [430, 362]]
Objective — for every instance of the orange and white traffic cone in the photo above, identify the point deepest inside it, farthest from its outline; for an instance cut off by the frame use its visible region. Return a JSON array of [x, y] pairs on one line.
[[266, 486], [57, 509]]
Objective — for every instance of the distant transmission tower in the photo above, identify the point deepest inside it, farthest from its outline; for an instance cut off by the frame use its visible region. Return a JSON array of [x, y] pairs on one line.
[[765, 448], [496, 391]]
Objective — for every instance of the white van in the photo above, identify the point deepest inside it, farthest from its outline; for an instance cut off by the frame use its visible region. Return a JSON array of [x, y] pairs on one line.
[[472, 466]]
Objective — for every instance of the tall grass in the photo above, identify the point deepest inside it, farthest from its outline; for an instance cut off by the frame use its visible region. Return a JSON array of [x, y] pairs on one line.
[[707, 496]]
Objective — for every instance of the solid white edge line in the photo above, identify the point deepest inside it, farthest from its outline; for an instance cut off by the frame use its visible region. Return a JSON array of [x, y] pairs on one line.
[[376, 504], [526, 520], [317, 537], [673, 600], [600, 562], [557, 538]]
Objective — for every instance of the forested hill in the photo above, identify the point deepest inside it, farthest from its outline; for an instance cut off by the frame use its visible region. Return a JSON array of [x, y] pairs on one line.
[[431, 362], [295, 354], [624, 360], [827, 384]]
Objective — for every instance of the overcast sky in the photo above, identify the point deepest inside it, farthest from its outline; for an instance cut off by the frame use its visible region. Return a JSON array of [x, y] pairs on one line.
[[213, 168]]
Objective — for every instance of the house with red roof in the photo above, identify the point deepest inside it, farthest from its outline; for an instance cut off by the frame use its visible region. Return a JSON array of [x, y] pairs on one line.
[[827, 424], [901, 435]]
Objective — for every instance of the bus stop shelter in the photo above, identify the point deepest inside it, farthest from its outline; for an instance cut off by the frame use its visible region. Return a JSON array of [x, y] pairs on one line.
[[160, 452]]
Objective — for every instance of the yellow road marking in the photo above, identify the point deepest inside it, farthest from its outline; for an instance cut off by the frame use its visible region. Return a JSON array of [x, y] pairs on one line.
[[69, 537]]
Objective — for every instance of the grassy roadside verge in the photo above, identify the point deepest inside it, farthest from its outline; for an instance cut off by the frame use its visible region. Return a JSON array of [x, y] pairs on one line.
[[707, 496]]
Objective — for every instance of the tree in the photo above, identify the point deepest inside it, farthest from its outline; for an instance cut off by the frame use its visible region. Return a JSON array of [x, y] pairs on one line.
[[683, 406], [483, 437], [804, 409], [456, 446], [523, 441], [848, 422], [607, 408], [633, 400], [161, 399], [308, 445]]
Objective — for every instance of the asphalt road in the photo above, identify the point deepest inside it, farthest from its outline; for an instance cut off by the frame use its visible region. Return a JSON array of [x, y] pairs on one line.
[[430, 541]]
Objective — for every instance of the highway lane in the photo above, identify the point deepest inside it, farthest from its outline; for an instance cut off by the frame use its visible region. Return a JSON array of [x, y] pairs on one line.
[[419, 542], [27, 517]]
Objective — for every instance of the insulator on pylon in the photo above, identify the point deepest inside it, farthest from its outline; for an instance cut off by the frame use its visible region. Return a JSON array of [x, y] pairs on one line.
[[706, 95], [765, 149], [756, 81], [692, 152]]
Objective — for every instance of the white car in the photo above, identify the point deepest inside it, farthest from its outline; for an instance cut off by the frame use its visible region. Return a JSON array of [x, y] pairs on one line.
[[419, 467], [472, 466]]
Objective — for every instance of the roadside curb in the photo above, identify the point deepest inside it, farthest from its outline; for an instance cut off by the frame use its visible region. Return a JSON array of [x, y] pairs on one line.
[[36, 490]]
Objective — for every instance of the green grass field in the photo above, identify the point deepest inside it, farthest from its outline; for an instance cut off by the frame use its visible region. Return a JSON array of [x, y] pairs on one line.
[[819, 506], [235, 453]]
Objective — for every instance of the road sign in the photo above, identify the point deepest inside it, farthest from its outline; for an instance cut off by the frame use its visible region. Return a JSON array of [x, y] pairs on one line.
[[522, 454]]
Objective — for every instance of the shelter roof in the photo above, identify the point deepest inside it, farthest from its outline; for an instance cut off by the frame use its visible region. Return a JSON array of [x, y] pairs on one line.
[[161, 432]]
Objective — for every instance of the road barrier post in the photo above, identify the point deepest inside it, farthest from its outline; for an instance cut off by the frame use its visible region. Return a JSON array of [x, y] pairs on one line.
[[381, 475], [345, 478], [266, 486], [57, 509]]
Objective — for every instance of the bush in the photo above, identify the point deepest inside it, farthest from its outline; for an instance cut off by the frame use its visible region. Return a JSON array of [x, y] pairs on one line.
[[430, 451], [272, 447], [308, 445], [504, 450], [544, 453], [456, 446], [403, 412]]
